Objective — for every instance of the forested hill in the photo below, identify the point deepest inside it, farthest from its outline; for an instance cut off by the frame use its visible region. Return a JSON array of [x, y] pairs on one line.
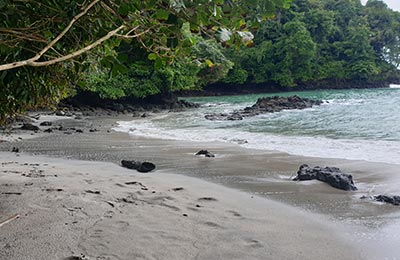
[[322, 43], [313, 44]]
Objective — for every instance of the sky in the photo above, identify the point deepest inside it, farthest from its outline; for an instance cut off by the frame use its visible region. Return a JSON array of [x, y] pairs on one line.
[[394, 4]]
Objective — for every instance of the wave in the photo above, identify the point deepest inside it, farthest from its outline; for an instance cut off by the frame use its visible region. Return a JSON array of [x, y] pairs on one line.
[[353, 149]]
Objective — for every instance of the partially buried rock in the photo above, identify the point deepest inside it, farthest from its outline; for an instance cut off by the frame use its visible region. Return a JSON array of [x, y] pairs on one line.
[[205, 153], [29, 127], [139, 166], [394, 200], [331, 175]]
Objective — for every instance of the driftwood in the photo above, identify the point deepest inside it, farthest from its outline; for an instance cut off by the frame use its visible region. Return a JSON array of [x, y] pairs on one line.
[[9, 220]]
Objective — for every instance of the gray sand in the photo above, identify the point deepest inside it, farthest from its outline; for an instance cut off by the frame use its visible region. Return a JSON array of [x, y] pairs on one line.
[[149, 220], [350, 223]]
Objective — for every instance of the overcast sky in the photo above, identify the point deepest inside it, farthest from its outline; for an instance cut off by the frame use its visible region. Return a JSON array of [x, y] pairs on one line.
[[394, 4]]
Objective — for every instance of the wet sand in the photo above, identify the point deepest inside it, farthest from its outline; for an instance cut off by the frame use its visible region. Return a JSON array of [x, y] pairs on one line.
[[314, 211]]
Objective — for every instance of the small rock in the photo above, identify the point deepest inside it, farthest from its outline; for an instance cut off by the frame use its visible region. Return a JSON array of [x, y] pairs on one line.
[[30, 127], [93, 191], [46, 123], [60, 113], [205, 153]]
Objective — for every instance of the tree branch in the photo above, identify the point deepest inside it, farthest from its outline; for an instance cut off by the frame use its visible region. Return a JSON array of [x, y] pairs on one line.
[[78, 52], [32, 61], [51, 44]]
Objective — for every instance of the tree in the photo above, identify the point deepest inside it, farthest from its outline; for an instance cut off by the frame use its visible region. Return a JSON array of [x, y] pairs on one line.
[[295, 52], [322, 40], [385, 28], [43, 38]]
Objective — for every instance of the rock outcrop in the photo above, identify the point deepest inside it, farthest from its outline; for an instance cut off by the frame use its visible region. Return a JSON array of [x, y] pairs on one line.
[[266, 105]]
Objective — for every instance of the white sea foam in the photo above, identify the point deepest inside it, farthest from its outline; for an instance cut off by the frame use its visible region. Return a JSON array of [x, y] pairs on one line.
[[354, 149]]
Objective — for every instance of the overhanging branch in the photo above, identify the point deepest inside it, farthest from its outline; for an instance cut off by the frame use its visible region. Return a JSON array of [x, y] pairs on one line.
[[33, 61]]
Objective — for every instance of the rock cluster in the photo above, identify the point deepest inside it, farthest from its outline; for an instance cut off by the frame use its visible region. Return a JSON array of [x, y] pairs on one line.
[[266, 105], [87, 104]]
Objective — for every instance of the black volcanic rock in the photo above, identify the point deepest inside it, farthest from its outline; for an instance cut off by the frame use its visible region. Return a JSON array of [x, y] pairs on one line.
[[394, 200], [29, 127], [139, 166], [266, 105], [331, 175], [46, 123], [205, 153]]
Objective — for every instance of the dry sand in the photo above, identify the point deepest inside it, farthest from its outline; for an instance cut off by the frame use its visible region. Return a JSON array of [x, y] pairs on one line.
[[103, 211]]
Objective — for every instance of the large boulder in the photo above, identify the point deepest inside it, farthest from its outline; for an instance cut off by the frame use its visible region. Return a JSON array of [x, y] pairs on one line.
[[139, 166], [266, 105], [331, 175]]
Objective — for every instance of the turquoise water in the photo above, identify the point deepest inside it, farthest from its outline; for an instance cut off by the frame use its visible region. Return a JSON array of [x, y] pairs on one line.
[[351, 124]]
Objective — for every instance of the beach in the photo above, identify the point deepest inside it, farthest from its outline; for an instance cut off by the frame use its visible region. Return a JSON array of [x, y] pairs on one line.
[[74, 199]]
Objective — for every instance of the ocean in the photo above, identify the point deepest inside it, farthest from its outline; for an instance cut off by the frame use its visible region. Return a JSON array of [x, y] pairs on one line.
[[359, 124]]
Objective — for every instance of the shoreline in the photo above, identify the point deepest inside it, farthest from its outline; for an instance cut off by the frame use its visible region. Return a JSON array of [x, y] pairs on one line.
[[259, 173]]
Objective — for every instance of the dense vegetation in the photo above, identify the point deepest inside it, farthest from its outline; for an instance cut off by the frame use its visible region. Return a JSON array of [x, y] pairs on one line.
[[48, 47], [323, 43], [338, 40], [118, 48]]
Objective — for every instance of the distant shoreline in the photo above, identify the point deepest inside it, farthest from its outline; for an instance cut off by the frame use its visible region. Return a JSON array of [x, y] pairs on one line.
[[222, 89]]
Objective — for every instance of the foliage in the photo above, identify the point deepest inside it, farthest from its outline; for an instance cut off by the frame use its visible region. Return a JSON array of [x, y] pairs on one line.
[[322, 39], [142, 79], [39, 38]]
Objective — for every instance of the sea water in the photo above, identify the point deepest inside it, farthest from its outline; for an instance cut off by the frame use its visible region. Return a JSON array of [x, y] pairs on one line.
[[360, 124]]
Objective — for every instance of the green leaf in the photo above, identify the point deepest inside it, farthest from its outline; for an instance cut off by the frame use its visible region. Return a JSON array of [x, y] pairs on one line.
[[162, 15], [159, 63], [152, 56], [209, 63]]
